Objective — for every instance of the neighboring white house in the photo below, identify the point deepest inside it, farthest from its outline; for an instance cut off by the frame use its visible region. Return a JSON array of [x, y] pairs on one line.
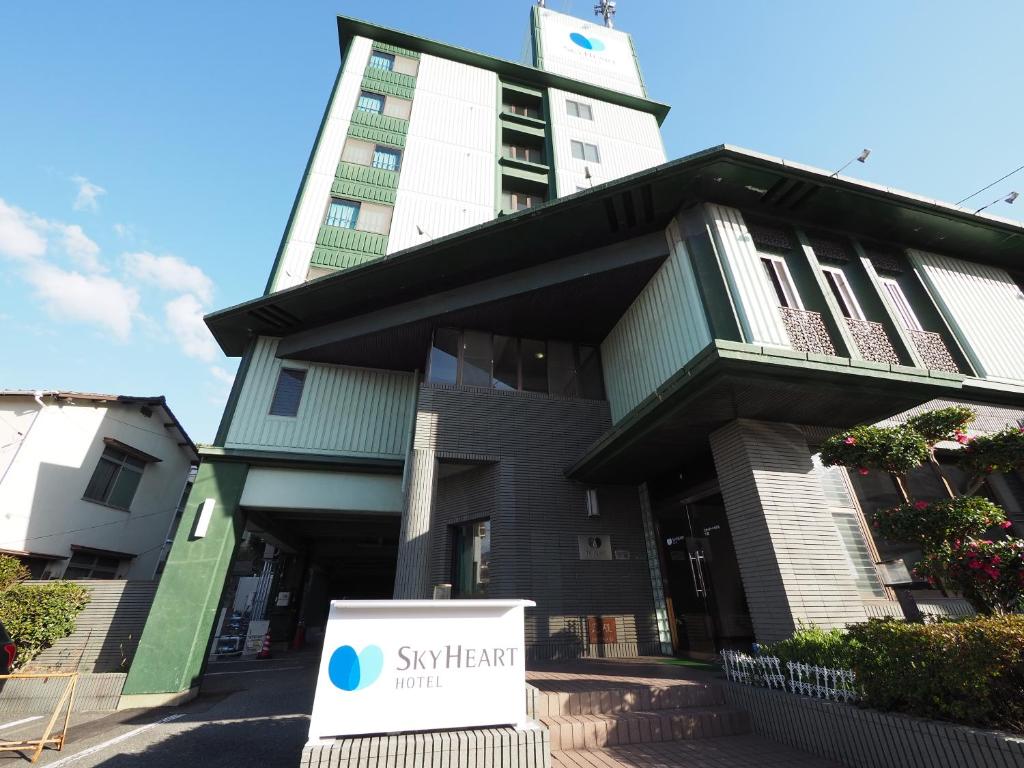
[[89, 483]]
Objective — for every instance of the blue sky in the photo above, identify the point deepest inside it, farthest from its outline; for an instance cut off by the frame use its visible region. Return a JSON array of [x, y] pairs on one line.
[[150, 153]]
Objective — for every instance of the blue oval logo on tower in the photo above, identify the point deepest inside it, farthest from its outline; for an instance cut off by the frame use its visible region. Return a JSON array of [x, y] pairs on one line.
[[590, 43], [351, 671]]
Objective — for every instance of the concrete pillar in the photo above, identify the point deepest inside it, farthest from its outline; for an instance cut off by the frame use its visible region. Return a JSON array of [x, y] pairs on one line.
[[172, 650], [792, 560], [412, 578]]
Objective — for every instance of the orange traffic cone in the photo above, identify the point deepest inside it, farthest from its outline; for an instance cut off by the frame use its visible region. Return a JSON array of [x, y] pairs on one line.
[[265, 650]]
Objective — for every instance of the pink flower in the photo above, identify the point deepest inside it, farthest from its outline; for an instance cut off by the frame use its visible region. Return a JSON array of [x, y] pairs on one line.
[[920, 505], [992, 572], [1005, 524], [989, 469], [862, 471], [851, 440], [996, 559], [974, 564]]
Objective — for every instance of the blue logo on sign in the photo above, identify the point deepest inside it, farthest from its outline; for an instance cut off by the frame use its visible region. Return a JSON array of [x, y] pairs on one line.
[[590, 43], [351, 671]]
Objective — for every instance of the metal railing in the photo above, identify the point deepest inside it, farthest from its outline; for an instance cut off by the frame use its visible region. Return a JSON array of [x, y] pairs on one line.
[[807, 331], [872, 341], [831, 684], [933, 351]]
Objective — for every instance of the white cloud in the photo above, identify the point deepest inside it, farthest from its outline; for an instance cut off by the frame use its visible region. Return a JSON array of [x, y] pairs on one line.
[[184, 317], [80, 248], [20, 235], [221, 375], [88, 194], [92, 299], [169, 273], [124, 231]]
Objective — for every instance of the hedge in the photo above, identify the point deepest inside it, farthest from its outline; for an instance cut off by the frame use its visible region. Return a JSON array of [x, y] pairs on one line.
[[37, 615]]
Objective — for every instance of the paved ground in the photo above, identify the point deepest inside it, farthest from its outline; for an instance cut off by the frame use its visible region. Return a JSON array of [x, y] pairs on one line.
[[255, 713]]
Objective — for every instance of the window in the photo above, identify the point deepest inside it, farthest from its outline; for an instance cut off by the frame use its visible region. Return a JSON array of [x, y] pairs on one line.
[[115, 479], [381, 60], [778, 275], [844, 294], [576, 109], [86, 565], [584, 151], [529, 154], [471, 549], [479, 359], [288, 392], [370, 102], [519, 201], [386, 158], [901, 305], [523, 110], [343, 213]]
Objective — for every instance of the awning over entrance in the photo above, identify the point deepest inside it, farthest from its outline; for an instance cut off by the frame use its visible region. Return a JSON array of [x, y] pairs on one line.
[[730, 381]]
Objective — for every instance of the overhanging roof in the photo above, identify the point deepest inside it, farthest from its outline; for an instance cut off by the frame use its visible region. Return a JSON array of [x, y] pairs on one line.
[[621, 210], [349, 27]]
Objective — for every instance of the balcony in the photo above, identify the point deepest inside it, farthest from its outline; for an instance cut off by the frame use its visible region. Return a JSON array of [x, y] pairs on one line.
[[872, 341], [933, 351], [807, 331]]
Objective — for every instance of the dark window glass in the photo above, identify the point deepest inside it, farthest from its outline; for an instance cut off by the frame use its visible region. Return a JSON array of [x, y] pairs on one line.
[[506, 362], [471, 547], [288, 392], [476, 359], [773, 275], [102, 479], [84, 565], [561, 369], [444, 357], [115, 479], [840, 299], [534, 357], [590, 382]]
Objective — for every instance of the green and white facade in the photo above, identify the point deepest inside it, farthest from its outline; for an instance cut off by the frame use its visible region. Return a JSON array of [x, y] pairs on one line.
[[505, 346]]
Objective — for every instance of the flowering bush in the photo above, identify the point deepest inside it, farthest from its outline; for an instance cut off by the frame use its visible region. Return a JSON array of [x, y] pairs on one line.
[[939, 522], [989, 573], [891, 449], [942, 423], [1001, 451]]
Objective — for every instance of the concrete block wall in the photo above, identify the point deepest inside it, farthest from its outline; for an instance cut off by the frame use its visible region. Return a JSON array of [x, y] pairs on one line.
[[523, 442], [791, 557]]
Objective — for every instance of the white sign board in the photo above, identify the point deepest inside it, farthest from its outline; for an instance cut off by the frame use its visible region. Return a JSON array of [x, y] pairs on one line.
[[418, 665], [254, 637]]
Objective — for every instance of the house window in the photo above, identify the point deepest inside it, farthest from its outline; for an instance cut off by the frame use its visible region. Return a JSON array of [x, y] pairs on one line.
[[444, 357], [844, 294], [778, 275], [576, 109], [522, 109], [381, 60], [85, 565], [583, 151], [386, 158], [288, 392], [471, 550], [370, 102], [519, 201], [343, 213], [529, 154], [901, 305], [115, 479]]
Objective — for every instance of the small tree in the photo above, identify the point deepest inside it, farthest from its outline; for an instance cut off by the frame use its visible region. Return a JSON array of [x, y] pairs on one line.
[[949, 532]]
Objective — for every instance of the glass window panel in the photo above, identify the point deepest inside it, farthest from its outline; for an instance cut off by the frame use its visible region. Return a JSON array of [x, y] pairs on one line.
[[590, 381], [102, 479], [385, 158], [123, 491], [288, 392], [472, 555], [506, 362], [343, 213], [476, 359], [381, 60], [444, 357], [577, 150], [591, 153], [561, 369], [901, 304], [370, 102], [534, 356]]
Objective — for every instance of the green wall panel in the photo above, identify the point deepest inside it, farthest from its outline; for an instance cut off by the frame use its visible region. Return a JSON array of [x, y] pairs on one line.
[[353, 240], [388, 48], [173, 646], [359, 191], [365, 183], [340, 258], [379, 128], [391, 83]]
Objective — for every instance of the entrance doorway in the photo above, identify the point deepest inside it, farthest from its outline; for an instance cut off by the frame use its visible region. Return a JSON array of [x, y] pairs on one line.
[[708, 604]]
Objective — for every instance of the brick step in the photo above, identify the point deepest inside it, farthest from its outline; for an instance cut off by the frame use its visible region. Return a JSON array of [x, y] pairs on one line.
[[614, 700], [600, 731]]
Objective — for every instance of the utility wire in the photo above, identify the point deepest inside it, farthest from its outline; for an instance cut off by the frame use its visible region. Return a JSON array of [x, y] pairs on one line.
[[1015, 170], [91, 527]]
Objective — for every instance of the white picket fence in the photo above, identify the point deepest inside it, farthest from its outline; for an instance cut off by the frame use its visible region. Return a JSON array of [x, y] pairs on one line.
[[803, 679]]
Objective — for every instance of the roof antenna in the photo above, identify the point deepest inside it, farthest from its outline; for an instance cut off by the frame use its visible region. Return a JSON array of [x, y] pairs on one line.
[[605, 9], [861, 158], [1008, 200]]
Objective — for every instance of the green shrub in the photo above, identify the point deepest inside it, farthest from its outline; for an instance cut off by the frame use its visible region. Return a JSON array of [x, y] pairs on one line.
[[969, 671], [942, 423], [811, 645], [988, 573], [36, 615], [891, 449], [11, 572], [1001, 451], [933, 524]]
